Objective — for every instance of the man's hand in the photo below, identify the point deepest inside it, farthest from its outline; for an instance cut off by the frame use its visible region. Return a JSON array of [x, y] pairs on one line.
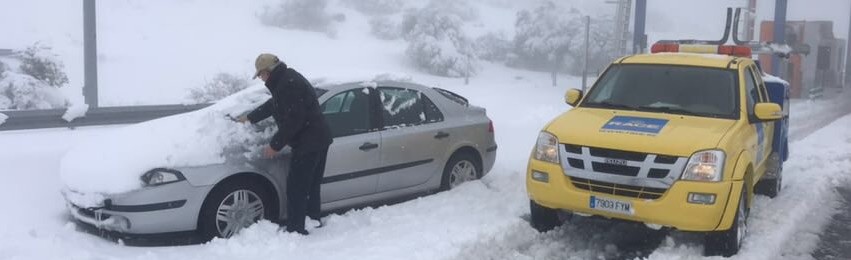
[[243, 119], [268, 152]]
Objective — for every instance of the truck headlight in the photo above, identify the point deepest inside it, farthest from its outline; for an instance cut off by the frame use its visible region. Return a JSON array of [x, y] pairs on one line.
[[705, 166], [547, 148], [161, 176]]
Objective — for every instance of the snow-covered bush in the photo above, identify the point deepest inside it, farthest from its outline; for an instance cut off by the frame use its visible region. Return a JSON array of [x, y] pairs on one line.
[[222, 85], [493, 47], [436, 41], [376, 7], [41, 63], [384, 28], [545, 36], [308, 15], [24, 92]]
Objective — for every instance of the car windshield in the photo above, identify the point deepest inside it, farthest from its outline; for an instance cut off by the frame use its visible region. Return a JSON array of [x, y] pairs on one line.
[[684, 90]]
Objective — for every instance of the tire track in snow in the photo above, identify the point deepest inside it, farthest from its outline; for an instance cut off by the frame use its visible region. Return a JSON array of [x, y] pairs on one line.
[[774, 233]]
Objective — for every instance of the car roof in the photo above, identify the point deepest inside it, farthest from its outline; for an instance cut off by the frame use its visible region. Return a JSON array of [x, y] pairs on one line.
[[379, 83], [685, 59]]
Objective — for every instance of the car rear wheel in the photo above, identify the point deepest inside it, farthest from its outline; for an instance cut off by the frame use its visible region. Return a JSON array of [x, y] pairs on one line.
[[233, 206], [543, 219], [461, 168], [727, 243], [771, 184]]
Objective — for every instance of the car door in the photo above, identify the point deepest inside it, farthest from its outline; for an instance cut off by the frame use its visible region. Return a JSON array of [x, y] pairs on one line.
[[753, 94], [413, 138], [356, 148], [767, 127]]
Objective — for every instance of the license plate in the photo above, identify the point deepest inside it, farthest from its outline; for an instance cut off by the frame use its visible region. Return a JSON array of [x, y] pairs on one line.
[[610, 205]]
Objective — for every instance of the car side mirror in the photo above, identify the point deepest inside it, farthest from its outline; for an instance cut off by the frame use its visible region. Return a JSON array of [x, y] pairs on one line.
[[768, 111], [572, 97]]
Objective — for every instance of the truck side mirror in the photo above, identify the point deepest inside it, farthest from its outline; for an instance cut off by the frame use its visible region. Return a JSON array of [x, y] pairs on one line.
[[768, 111], [572, 97]]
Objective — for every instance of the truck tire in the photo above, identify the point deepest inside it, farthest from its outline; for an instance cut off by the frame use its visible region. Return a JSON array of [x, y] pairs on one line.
[[543, 219], [728, 242], [772, 182]]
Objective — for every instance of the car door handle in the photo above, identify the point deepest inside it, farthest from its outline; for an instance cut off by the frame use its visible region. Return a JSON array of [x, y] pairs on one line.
[[441, 135], [368, 146]]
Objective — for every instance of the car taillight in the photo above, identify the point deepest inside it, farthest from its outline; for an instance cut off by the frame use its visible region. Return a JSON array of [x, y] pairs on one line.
[[490, 126]]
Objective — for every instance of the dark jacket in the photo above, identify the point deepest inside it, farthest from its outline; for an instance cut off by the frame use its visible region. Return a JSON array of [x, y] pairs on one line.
[[295, 107]]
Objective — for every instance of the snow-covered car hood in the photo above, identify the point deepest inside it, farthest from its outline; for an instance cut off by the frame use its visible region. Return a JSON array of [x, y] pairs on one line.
[[113, 163]]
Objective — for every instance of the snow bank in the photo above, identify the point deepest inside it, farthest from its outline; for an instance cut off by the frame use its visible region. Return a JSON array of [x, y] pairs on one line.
[[113, 163], [75, 111], [3, 118]]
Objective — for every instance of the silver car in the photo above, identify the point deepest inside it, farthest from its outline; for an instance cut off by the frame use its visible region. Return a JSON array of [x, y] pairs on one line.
[[391, 140]]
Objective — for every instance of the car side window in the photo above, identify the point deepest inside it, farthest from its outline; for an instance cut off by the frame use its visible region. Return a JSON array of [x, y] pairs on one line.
[[347, 113], [432, 113], [751, 91], [405, 107], [763, 92]]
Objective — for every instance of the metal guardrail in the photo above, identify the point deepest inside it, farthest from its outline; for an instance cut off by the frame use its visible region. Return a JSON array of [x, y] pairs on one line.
[[52, 118], [816, 93]]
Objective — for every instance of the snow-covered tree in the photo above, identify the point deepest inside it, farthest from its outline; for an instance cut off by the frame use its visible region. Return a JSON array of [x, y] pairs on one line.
[[376, 7], [436, 40], [24, 92], [384, 28], [308, 15], [494, 47], [41, 63], [601, 48], [222, 85], [546, 35]]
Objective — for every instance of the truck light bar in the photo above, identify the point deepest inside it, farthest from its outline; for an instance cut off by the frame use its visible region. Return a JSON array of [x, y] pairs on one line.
[[673, 47]]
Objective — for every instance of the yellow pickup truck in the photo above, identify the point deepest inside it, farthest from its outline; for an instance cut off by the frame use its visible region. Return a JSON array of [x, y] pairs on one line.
[[680, 138]]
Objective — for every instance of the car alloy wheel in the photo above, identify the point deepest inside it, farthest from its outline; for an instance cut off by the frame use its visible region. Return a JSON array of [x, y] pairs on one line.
[[462, 171], [238, 210]]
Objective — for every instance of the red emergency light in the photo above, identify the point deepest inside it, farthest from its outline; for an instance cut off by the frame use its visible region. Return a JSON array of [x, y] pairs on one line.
[[732, 50]]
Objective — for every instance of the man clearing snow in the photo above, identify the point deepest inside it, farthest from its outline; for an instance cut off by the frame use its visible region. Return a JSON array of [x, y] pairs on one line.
[[302, 126]]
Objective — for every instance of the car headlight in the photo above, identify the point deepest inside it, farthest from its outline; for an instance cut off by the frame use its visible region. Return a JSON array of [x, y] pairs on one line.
[[547, 148], [161, 176], [705, 166]]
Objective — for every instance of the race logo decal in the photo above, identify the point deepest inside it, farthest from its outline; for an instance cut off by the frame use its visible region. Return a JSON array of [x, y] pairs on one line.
[[634, 125]]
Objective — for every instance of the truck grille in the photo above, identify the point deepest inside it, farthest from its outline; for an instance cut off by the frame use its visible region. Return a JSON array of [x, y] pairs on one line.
[[622, 173], [617, 189]]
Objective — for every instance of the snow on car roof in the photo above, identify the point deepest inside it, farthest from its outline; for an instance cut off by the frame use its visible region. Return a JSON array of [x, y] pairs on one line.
[[771, 78]]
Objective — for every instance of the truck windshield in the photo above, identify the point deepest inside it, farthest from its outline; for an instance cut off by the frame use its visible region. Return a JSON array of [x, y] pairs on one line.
[[684, 90]]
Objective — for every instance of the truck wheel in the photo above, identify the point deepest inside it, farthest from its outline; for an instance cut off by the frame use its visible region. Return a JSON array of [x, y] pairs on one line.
[[772, 182], [727, 243], [543, 219]]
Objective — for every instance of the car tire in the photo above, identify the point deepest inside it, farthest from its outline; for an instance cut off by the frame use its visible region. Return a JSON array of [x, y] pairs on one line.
[[772, 183], [234, 193], [543, 219], [461, 167], [728, 242]]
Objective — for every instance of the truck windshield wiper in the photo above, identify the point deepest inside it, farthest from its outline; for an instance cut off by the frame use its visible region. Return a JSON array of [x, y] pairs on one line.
[[607, 104], [670, 110]]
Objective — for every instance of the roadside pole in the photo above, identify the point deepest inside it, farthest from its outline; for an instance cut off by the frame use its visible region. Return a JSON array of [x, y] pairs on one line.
[[587, 43], [90, 87]]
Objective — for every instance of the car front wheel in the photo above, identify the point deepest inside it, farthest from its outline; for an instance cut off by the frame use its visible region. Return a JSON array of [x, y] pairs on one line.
[[727, 243], [233, 206]]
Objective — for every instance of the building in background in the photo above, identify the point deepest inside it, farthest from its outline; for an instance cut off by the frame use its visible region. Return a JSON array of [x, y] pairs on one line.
[[818, 60]]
